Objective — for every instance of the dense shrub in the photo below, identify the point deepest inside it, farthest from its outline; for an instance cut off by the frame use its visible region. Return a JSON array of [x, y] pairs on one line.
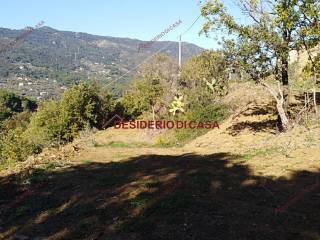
[[45, 128], [58, 122], [10, 104], [210, 112], [144, 95], [207, 72], [199, 113], [55, 122], [14, 145]]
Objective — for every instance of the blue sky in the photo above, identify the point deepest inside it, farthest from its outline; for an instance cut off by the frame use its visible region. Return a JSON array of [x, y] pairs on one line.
[[140, 19]]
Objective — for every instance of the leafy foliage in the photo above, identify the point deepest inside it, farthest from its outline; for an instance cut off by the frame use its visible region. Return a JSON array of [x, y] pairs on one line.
[[261, 46], [273, 29], [209, 69], [308, 69], [55, 122], [177, 105], [14, 146], [204, 79], [154, 88], [60, 121], [11, 104]]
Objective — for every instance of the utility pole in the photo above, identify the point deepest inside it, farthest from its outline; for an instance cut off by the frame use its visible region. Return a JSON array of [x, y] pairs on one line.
[[180, 51]]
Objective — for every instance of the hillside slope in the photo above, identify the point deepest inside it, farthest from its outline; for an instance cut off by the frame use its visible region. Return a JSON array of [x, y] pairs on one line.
[[48, 59], [242, 181]]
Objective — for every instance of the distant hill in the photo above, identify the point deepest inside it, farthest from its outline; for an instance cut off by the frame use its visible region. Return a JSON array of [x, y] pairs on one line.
[[48, 60]]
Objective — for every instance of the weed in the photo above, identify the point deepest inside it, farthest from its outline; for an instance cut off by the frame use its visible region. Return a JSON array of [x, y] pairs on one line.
[[264, 152]]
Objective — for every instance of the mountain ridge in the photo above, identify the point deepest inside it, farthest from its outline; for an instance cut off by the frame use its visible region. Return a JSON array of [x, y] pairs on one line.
[[49, 60]]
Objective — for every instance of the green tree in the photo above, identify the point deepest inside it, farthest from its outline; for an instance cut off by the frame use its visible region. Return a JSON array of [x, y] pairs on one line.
[[54, 123], [11, 104], [260, 44], [154, 88], [58, 122], [14, 146], [144, 96], [46, 126], [204, 78], [207, 69], [79, 108]]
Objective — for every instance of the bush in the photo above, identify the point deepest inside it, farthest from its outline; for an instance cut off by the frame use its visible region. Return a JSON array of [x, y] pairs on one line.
[[59, 122], [199, 113], [55, 122], [212, 112], [206, 72], [14, 146], [11, 104], [18, 120], [46, 126], [154, 88]]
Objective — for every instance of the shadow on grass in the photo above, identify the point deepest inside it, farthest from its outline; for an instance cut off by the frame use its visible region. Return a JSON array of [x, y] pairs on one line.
[[268, 125], [156, 197], [260, 110], [259, 126]]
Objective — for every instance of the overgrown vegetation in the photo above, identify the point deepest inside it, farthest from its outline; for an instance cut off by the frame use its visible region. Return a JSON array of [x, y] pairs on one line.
[[159, 92], [258, 50], [54, 123], [193, 95], [10, 104]]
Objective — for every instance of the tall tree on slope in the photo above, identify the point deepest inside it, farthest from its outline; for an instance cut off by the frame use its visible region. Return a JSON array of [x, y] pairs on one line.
[[260, 42]]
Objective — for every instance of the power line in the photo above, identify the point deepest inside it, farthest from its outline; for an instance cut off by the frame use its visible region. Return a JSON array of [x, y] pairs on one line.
[[194, 22], [138, 65], [129, 71], [180, 43]]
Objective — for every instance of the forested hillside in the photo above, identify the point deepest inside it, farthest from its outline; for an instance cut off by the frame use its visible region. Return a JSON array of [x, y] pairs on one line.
[[48, 60]]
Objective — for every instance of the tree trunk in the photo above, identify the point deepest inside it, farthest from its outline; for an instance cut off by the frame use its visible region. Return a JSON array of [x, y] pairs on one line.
[[282, 114], [285, 80], [278, 96], [314, 90], [315, 101], [285, 68]]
